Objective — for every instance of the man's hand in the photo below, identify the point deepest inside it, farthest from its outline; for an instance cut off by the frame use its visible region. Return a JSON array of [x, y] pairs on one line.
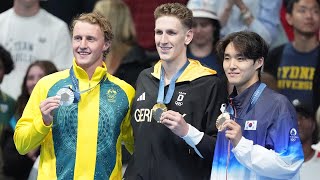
[[175, 122], [46, 108], [233, 131]]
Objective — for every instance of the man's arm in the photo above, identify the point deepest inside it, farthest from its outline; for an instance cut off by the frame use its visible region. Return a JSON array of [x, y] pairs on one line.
[[266, 22], [202, 142], [31, 130]]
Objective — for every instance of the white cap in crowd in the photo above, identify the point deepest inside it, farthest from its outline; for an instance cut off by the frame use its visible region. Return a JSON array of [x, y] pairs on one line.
[[316, 147], [203, 9]]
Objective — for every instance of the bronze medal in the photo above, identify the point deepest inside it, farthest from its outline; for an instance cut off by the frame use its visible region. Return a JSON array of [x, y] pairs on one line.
[[157, 110], [221, 119]]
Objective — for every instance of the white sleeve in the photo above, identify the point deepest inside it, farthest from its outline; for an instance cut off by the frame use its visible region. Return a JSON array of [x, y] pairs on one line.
[[193, 137], [266, 162]]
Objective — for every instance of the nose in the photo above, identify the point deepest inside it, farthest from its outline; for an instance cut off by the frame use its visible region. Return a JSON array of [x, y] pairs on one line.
[[163, 39], [308, 13], [232, 63], [83, 44]]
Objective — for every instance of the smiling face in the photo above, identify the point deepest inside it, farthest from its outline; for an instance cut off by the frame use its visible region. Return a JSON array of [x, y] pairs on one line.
[[240, 71], [88, 45], [171, 38]]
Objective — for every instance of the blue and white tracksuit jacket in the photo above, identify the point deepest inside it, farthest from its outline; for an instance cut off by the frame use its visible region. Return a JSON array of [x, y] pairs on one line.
[[270, 147]]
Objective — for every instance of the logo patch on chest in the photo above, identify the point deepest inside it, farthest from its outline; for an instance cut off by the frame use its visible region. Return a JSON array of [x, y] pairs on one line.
[[179, 101]]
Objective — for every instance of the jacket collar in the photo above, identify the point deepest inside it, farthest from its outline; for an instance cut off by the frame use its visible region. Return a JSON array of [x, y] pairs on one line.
[[98, 74], [193, 71], [241, 101]]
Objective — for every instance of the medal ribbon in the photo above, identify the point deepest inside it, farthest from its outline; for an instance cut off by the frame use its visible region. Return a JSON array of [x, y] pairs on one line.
[[253, 100], [170, 91], [75, 84]]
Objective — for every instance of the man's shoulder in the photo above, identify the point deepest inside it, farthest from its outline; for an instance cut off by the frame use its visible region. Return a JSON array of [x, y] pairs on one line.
[[276, 100], [54, 77], [274, 95], [6, 12], [121, 83], [5, 15]]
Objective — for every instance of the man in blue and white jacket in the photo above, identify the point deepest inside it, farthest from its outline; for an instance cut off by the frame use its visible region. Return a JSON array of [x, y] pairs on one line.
[[258, 136]]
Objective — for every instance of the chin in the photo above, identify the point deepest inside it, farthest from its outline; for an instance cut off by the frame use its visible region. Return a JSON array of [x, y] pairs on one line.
[[165, 58]]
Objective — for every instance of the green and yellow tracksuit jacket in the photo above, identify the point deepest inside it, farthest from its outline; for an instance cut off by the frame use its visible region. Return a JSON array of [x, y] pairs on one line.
[[84, 139]]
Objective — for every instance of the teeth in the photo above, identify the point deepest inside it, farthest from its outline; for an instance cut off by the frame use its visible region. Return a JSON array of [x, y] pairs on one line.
[[165, 48]]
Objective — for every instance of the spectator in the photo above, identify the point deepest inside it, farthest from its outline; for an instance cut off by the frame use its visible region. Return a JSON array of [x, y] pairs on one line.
[[206, 29], [16, 165], [308, 131], [316, 147], [79, 116], [126, 58], [294, 64], [7, 103], [260, 16], [29, 32]]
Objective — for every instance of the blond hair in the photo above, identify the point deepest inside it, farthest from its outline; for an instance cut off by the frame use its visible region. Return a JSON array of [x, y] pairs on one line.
[[101, 21], [177, 10]]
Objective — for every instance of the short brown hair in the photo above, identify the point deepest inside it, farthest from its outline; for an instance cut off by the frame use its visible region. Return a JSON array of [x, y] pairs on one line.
[[177, 10], [95, 18]]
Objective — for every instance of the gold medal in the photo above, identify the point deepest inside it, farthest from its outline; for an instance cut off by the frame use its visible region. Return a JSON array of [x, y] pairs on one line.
[[221, 119], [66, 95], [157, 110]]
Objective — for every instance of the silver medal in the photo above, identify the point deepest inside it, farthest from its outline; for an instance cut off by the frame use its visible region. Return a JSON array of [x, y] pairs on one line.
[[66, 95]]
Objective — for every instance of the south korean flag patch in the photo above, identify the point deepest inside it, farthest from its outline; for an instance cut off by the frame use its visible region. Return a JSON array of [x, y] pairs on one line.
[[251, 125]]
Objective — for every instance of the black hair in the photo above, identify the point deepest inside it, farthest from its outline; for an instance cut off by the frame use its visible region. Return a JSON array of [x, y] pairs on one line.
[[249, 44], [6, 59], [289, 5]]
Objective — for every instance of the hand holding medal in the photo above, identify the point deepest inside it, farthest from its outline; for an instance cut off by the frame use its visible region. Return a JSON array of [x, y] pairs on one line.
[[46, 108]]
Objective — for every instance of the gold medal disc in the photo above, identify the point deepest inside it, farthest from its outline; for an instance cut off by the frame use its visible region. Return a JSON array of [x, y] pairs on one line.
[[157, 110]]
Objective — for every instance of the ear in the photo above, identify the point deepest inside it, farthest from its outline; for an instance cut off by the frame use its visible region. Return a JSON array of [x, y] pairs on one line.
[[189, 37], [289, 18], [106, 45], [259, 63]]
